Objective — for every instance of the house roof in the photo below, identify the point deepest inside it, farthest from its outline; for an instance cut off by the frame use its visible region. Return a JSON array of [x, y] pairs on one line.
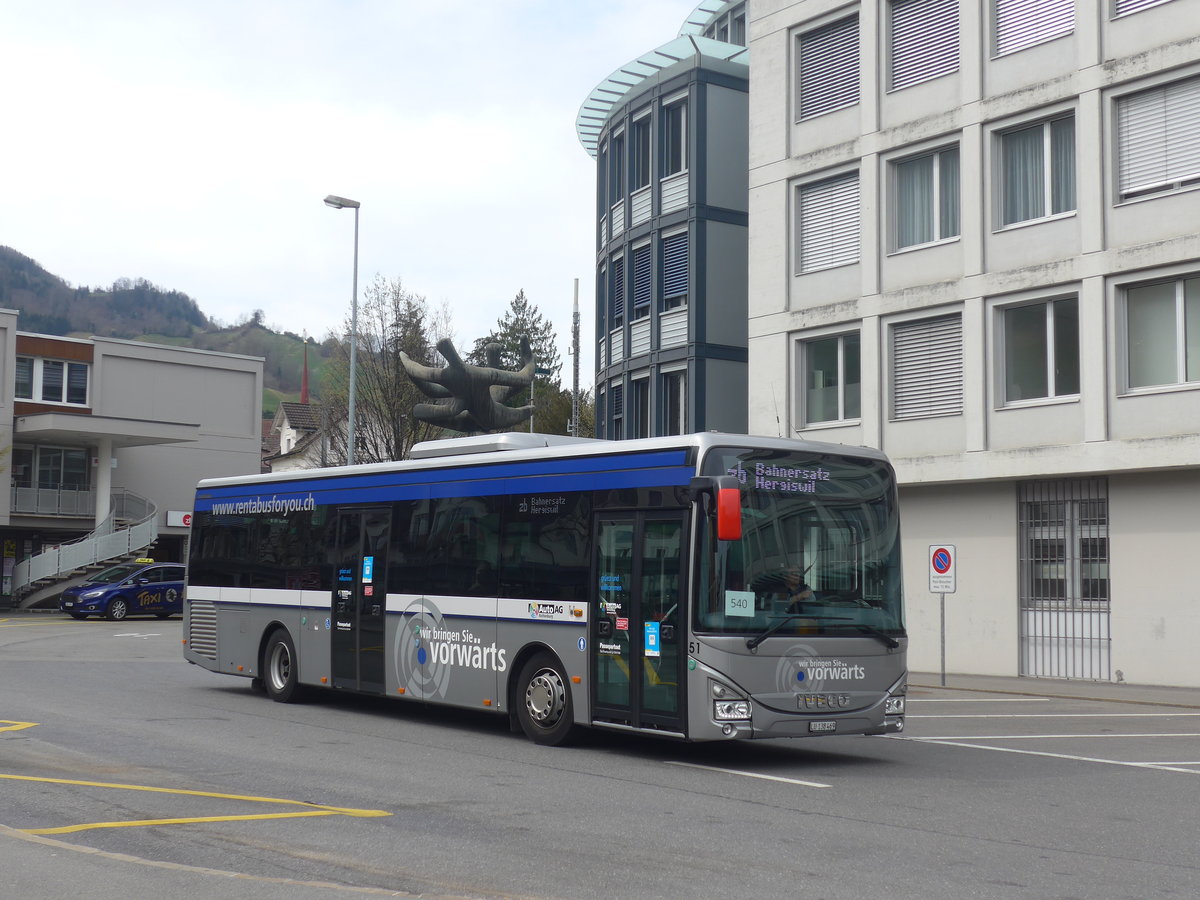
[[301, 416]]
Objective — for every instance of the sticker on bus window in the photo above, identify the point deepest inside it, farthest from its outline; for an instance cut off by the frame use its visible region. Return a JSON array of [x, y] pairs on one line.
[[739, 603], [368, 569], [653, 633]]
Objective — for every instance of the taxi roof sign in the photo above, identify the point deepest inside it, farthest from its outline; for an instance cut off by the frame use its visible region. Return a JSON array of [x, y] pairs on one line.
[[143, 559]]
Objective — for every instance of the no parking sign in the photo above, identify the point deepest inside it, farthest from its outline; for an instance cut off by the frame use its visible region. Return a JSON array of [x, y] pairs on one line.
[[941, 569]]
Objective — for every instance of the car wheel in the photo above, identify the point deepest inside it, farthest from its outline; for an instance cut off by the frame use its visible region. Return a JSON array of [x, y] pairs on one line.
[[280, 674], [118, 609], [544, 701], [77, 615]]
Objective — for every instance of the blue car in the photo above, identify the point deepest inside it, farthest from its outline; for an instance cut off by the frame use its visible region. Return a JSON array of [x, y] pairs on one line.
[[139, 588]]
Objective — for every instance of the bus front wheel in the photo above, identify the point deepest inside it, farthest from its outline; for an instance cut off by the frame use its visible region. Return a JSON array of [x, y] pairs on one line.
[[544, 701], [280, 676]]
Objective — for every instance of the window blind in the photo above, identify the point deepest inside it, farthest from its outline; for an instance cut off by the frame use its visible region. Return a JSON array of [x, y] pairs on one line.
[[829, 68], [927, 368], [1023, 23], [924, 40], [675, 265], [1158, 137], [829, 223]]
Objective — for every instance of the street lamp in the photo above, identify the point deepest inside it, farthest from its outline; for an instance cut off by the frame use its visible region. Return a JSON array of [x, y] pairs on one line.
[[343, 203]]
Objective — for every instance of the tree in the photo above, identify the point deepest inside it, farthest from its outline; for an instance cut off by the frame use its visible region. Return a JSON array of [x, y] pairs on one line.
[[391, 320], [551, 404]]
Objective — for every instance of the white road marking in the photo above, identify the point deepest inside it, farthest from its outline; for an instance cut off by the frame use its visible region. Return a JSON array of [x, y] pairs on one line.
[[1060, 716], [1037, 737], [978, 699], [1066, 756], [814, 784]]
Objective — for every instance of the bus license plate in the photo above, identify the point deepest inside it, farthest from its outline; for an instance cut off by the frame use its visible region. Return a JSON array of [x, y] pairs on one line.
[[822, 727]]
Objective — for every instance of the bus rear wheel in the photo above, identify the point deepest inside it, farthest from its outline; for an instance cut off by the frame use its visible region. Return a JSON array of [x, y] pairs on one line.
[[280, 677], [543, 701]]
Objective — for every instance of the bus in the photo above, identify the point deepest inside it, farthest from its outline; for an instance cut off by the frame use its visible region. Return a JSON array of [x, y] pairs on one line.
[[698, 587]]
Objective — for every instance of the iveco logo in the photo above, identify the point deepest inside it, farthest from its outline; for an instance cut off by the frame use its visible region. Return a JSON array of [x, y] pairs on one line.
[[823, 701]]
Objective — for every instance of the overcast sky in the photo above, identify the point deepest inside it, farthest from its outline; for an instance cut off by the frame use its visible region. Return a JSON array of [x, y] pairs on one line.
[[191, 142]]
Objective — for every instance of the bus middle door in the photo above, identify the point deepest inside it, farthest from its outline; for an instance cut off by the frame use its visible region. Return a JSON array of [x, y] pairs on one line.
[[360, 599], [636, 610]]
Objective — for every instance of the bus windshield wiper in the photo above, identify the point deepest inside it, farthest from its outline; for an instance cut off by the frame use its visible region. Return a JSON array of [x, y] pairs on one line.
[[753, 642], [886, 639]]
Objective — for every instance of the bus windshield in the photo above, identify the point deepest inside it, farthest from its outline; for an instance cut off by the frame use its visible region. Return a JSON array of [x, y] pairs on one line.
[[819, 552]]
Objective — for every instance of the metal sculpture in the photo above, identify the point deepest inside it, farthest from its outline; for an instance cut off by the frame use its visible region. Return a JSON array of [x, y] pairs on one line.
[[471, 398]]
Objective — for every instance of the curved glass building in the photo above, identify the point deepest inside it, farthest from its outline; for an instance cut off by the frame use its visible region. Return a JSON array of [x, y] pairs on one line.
[[668, 131]]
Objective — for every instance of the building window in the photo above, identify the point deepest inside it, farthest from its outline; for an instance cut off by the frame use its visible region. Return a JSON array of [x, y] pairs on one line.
[[831, 379], [1162, 331], [61, 468], [1158, 139], [639, 153], [616, 288], [827, 69], [1064, 543], [1041, 350], [674, 401], [828, 227], [1123, 7], [1024, 23], [616, 180], [674, 138], [927, 368], [640, 410], [51, 381], [924, 40], [675, 270], [616, 400], [926, 198], [730, 26], [1037, 171], [642, 286]]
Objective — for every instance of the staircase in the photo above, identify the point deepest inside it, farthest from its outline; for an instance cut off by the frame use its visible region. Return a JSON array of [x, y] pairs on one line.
[[129, 531]]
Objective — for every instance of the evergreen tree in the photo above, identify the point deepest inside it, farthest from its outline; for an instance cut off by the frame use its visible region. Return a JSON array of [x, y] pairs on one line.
[[552, 405]]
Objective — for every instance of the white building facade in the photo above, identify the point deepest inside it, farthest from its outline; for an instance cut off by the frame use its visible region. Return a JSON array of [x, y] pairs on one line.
[[973, 243]]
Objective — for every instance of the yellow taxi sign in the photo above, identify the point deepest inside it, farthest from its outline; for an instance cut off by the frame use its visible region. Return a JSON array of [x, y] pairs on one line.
[[143, 559]]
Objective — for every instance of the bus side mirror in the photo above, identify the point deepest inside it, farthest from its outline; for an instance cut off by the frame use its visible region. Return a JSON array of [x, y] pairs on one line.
[[727, 497], [729, 514]]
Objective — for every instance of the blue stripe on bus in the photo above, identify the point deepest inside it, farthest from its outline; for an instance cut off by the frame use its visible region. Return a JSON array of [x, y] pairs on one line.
[[516, 479], [589, 464]]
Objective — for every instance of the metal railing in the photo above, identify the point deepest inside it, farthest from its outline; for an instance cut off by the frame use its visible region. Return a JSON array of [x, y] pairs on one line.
[[106, 542]]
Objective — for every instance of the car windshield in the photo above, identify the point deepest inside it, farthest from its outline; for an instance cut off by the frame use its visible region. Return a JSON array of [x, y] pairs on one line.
[[116, 573], [819, 553]]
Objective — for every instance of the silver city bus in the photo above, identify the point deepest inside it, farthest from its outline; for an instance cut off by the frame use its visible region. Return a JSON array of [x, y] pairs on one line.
[[699, 587]]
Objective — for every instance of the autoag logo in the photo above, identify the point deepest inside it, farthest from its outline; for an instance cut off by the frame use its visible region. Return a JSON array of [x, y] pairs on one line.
[[803, 670], [546, 610]]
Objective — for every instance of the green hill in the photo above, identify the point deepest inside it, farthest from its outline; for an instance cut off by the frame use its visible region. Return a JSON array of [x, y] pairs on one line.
[[139, 310]]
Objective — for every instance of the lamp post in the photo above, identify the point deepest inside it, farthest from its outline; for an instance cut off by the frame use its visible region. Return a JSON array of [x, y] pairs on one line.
[[343, 203]]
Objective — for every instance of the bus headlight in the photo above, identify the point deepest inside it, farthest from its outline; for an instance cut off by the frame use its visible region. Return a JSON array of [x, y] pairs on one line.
[[894, 706], [731, 710]]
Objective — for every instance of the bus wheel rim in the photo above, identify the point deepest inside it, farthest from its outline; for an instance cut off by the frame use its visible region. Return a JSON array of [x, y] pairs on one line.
[[545, 697]]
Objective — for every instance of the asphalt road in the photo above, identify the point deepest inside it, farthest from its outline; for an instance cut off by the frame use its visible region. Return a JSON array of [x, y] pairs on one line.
[[125, 772]]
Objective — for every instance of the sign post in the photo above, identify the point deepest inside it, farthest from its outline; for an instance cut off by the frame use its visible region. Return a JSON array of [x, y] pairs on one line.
[[942, 581]]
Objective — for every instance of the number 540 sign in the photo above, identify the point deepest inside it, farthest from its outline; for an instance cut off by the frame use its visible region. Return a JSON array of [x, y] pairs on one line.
[[941, 568]]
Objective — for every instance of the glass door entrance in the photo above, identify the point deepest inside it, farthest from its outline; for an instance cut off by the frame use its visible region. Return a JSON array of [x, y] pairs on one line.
[[637, 663], [360, 599]]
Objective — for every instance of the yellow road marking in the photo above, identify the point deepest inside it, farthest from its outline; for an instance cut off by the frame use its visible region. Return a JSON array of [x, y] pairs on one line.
[[7, 725], [310, 809], [68, 829]]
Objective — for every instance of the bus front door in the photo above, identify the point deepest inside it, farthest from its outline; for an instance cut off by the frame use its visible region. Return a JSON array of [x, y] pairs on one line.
[[359, 599], [637, 666]]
